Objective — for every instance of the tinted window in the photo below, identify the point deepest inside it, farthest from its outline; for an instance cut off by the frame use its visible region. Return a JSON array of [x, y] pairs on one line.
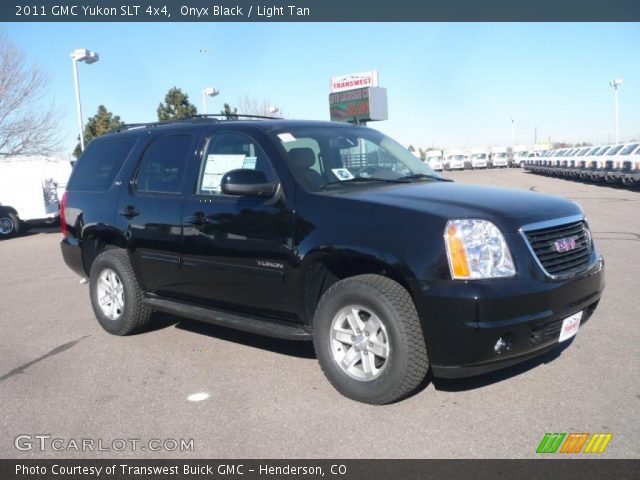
[[100, 163], [162, 166], [231, 151]]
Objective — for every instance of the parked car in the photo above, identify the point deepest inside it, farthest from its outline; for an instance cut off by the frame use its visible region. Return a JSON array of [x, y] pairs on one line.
[[606, 163], [519, 156], [326, 232], [479, 158], [29, 188], [499, 157], [614, 165], [455, 160], [631, 168], [435, 159]]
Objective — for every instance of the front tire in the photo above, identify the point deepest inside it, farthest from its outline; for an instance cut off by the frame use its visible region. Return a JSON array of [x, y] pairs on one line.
[[369, 340], [116, 296]]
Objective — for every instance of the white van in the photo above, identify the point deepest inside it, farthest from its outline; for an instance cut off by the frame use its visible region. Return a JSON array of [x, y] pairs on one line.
[[479, 157], [519, 156], [435, 159], [30, 190], [455, 160], [499, 157]]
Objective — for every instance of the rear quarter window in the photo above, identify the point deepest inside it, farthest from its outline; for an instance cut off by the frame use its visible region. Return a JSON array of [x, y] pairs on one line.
[[99, 164]]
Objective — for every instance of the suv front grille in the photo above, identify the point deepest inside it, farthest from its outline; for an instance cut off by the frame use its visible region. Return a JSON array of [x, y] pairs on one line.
[[562, 250]]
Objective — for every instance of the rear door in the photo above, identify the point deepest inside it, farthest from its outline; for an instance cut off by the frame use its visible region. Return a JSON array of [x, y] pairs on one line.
[[150, 213]]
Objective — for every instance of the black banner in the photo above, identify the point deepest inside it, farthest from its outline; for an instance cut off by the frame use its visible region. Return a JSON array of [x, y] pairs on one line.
[[316, 469], [320, 11]]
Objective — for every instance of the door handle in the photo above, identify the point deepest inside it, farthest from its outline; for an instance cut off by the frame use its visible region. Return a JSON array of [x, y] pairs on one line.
[[129, 212], [198, 218]]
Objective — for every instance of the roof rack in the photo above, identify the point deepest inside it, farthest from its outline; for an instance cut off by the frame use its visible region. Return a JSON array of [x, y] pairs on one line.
[[191, 118]]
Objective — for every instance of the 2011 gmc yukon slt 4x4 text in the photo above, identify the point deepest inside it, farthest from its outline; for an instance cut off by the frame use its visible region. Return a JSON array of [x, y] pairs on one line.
[[326, 232]]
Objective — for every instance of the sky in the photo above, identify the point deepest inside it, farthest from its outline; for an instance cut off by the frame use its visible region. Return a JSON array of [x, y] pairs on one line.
[[450, 85]]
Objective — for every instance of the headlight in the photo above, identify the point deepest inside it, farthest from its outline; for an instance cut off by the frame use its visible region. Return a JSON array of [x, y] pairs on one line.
[[476, 250]]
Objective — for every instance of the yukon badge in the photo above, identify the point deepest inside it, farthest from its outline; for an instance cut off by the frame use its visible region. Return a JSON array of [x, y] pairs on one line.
[[268, 264], [564, 245]]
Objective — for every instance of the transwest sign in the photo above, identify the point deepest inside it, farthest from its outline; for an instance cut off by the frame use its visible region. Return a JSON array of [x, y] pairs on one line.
[[353, 81]]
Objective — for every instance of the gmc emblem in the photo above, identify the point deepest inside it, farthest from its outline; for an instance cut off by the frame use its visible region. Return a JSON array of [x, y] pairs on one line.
[[564, 245]]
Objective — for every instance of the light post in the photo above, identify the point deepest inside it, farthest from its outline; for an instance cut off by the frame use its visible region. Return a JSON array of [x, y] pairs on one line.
[[88, 57], [513, 133], [208, 92], [615, 84]]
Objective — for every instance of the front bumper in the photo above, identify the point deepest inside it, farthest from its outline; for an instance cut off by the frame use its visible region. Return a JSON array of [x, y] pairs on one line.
[[463, 321], [631, 177]]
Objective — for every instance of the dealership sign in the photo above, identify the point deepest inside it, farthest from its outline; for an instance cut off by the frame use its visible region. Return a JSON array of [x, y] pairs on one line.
[[359, 105], [353, 81]]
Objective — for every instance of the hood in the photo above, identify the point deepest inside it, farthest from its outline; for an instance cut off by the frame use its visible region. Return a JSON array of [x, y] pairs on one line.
[[508, 208]]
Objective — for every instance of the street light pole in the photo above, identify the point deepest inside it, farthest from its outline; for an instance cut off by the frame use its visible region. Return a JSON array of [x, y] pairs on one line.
[[81, 55], [513, 133], [615, 84], [208, 92], [78, 106]]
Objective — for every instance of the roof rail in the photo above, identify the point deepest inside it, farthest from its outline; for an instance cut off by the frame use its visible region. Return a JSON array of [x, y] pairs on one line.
[[191, 118]]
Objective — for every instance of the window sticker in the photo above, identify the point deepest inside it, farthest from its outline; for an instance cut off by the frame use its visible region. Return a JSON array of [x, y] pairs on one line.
[[286, 137], [249, 163], [342, 174], [216, 167]]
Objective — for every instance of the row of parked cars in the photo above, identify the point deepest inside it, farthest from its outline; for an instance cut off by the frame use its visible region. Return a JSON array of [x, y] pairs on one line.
[[476, 158], [618, 163]]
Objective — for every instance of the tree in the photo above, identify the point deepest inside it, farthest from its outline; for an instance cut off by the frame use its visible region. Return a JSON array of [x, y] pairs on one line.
[[102, 122], [176, 105], [27, 126], [230, 114], [264, 108]]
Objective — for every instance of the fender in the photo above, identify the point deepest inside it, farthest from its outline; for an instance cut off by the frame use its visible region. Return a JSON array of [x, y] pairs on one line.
[[323, 266]]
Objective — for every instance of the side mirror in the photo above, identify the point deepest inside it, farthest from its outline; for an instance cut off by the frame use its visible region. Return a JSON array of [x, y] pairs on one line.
[[248, 183]]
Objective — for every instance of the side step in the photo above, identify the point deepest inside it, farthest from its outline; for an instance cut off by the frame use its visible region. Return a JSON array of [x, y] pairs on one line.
[[246, 323]]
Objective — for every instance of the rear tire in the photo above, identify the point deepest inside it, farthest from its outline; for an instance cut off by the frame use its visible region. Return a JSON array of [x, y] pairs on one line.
[[10, 225], [369, 340], [116, 296]]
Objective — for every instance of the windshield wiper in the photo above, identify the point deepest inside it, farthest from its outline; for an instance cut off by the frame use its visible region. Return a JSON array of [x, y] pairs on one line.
[[364, 179], [418, 176]]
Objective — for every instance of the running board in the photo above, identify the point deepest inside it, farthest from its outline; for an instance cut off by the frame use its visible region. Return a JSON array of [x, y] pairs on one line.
[[247, 323]]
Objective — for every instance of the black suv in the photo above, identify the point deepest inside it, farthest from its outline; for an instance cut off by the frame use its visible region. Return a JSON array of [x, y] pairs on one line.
[[328, 232]]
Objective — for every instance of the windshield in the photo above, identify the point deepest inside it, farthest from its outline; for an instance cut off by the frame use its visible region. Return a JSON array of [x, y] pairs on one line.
[[614, 150], [602, 151], [479, 156], [337, 155], [434, 159], [500, 155], [628, 149]]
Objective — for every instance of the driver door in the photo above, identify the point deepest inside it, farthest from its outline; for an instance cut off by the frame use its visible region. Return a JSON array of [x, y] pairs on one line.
[[237, 249]]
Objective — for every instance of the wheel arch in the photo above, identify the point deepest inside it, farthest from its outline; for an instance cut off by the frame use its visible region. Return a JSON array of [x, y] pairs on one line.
[[9, 209], [321, 269], [96, 240]]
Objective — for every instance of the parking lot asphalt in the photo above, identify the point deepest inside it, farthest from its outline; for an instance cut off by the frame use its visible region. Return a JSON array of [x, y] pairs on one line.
[[62, 375]]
